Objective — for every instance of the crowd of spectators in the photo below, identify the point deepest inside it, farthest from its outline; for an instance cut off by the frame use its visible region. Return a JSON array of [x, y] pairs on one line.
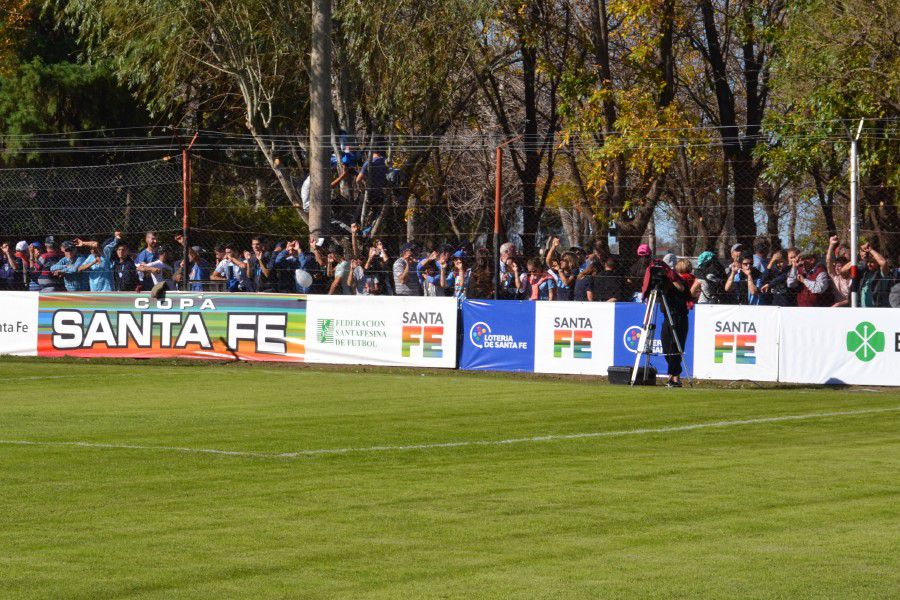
[[357, 264]]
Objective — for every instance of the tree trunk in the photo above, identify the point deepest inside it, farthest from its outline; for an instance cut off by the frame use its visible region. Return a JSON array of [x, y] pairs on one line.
[[320, 120]]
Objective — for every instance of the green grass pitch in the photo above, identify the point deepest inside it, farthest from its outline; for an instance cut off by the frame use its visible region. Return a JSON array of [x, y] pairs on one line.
[[794, 508]]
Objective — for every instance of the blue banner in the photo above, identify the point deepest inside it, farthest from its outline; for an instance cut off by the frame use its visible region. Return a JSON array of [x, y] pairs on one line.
[[497, 335], [629, 318]]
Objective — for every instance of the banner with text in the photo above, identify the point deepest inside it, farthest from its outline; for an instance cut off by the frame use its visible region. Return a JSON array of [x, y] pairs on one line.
[[497, 335], [382, 330], [736, 342], [266, 327], [840, 346], [573, 337], [18, 323]]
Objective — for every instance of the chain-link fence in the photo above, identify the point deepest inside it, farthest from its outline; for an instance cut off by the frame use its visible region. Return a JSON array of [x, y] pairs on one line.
[[443, 190], [90, 201]]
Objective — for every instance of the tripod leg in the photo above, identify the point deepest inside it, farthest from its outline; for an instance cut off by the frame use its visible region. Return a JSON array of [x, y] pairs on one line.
[[665, 304], [646, 330]]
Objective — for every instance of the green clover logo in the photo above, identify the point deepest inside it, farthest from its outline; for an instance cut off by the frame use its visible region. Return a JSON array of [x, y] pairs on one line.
[[865, 341]]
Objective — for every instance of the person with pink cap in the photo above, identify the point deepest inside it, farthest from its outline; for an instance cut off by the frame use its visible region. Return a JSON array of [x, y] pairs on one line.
[[636, 273]]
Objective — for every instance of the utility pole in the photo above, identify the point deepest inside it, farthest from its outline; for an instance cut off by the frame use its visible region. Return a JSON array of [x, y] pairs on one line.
[[854, 221], [320, 120]]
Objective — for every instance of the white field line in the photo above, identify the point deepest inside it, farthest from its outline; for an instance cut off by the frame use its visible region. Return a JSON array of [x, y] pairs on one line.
[[462, 444]]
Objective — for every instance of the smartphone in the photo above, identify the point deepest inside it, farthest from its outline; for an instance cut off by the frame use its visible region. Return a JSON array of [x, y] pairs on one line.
[[320, 242]]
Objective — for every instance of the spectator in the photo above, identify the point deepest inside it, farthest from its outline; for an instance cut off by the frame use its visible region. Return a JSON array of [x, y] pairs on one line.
[[684, 269], [635, 278], [507, 250], [7, 267], [894, 296], [744, 282], [433, 277], [98, 265], [231, 269], [811, 280], [761, 248], [262, 266], [538, 284], [459, 276], [709, 280], [606, 286], [406, 282], [149, 254], [21, 266], [124, 273], [481, 279], [218, 253], [774, 283], [199, 270], [160, 270], [67, 267], [376, 267], [374, 173], [49, 281], [581, 292], [287, 264], [875, 280], [838, 269], [339, 272]]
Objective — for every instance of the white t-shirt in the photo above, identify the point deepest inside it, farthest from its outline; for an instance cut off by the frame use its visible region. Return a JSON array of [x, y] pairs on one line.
[[229, 270], [165, 272], [342, 271]]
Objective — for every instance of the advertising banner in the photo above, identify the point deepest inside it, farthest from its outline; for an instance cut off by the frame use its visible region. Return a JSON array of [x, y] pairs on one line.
[[736, 342], [266, 327], [840, 346], [573, 337], [629, 318], [497, 335], [382, 330], [18, 323]]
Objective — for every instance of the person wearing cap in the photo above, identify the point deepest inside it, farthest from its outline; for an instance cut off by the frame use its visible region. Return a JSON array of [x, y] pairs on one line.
[[67, 267], [744, 282], [21, 266], [709, 280], [98, 265], [49, 281], [635, 278], [406, 281], [460, 273], [811, 281]]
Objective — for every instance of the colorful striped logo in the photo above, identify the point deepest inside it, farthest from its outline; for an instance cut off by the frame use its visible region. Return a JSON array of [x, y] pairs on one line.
[[428, 337], [578, 340], [741, 346]]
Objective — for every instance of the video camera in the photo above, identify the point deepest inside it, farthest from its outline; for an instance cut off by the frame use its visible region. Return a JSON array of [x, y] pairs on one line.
[[658, 276]]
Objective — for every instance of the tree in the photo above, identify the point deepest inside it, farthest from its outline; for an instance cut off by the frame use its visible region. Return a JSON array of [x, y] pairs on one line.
[[737, 43], [841, 63]]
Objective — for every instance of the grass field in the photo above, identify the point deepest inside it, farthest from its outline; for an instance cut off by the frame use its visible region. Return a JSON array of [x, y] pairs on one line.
[[793, 508]]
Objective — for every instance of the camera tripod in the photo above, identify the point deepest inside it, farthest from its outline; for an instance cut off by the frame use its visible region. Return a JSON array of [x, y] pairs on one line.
[[648, 328]]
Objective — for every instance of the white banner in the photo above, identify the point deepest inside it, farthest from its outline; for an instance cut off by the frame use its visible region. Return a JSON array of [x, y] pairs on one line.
[[19, 323], [381, 330], [736, 342], [573, 337], [838, 345]]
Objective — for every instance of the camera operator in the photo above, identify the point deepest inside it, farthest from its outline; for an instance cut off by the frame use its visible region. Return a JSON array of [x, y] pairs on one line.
[[660, 276]]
